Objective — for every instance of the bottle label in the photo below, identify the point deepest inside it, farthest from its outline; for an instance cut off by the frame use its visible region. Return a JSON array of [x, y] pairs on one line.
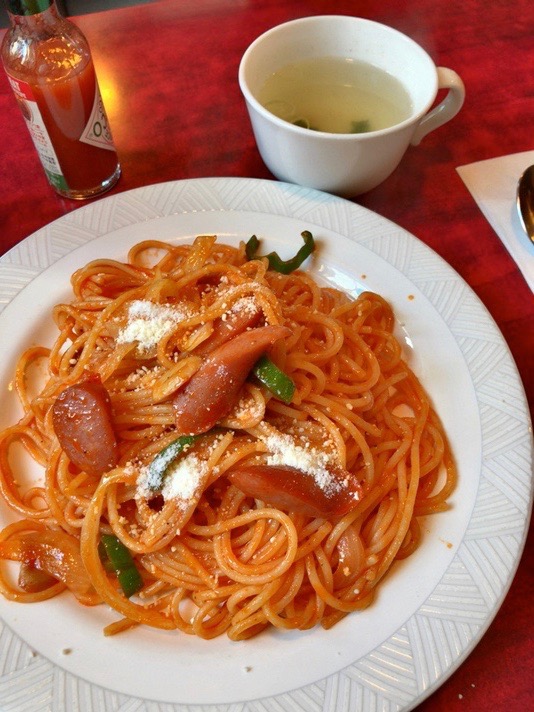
[[97, 132], [41, 139]]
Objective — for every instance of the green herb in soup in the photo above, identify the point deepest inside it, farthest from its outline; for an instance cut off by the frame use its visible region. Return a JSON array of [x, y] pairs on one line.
[[336, 95], [360, 126]]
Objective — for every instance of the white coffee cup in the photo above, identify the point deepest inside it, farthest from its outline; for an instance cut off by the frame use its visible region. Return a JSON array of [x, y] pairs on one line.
[[344, 164]]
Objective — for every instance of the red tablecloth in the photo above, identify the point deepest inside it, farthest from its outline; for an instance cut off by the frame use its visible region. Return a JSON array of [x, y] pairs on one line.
[[170, 68]]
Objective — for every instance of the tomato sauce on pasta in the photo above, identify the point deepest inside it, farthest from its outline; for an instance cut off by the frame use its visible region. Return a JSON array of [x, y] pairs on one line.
[[233, 506]]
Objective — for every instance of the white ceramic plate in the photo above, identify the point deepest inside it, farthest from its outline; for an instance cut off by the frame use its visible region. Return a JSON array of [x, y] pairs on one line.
[[431, 611]]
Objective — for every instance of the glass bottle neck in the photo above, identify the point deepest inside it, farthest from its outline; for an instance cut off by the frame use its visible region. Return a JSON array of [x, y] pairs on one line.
[[35, 17], [28, 7]]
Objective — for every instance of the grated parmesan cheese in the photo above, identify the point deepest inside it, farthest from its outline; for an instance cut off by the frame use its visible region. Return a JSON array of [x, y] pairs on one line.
[[148, 323], [182, 479], [285, 451], [245, 304]]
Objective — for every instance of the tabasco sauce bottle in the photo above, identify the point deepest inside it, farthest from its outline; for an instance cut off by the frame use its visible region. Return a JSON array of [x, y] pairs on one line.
[[49, 66]]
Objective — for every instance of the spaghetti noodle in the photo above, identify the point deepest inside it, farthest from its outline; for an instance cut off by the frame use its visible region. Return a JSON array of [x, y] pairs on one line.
[[237, 508]]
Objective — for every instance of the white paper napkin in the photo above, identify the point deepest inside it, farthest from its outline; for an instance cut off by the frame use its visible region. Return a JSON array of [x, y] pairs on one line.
[[493, 184]]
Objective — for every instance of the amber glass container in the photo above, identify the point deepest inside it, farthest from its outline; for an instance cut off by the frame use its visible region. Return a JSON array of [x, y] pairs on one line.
[[51, 72]]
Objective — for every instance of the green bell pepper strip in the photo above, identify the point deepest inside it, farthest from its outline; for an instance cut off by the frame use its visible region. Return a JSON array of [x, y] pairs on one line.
[[130, 581], [158, 467], [102, 553], [275, 262], [123, 565], [274, 379]]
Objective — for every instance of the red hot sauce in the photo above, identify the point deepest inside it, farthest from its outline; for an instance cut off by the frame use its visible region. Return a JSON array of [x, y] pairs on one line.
[[49, 66]]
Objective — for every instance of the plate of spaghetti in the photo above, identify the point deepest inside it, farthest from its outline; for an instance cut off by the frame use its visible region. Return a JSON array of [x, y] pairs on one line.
[[243, 427]]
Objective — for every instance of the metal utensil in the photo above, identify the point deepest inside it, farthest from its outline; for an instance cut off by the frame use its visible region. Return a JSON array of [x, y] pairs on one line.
[[525, 201]]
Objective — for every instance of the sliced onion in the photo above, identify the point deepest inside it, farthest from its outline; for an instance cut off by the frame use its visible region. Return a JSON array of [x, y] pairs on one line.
[[55, 553], [33, 580]]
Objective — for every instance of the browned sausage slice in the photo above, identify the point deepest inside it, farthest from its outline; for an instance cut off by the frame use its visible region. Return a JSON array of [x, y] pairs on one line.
[[82, 421], [213, 390], [294, 490]]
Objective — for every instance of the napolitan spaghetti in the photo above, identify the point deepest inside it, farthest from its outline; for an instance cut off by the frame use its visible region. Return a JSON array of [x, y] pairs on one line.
[[193, 482]]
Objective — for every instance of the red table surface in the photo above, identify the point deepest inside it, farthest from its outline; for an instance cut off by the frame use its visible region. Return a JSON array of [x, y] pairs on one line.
[[176, 112]]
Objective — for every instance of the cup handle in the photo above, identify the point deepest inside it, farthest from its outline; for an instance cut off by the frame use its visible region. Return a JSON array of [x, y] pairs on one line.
[[446, 109]]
